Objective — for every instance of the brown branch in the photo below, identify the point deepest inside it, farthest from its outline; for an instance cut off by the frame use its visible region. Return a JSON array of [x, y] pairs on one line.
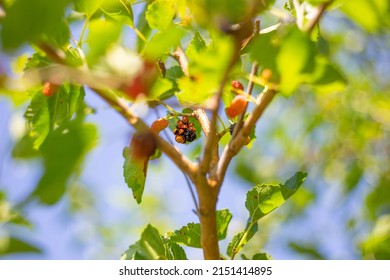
[[181, 58], [315, 20], [182, 162], [251, 84], [234, 146]]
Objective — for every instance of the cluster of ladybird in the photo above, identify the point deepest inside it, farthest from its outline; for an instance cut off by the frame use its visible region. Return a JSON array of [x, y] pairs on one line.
[[185, 131]]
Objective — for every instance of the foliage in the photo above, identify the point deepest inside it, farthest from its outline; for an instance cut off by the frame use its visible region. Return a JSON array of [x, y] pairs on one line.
[[181, 62]]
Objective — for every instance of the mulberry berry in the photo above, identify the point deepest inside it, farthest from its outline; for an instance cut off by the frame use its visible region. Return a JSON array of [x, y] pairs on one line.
[[185, 131], [159, 125]]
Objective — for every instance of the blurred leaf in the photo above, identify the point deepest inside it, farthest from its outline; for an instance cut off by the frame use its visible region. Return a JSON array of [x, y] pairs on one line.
[[370, 15], [119, 10], [13, 245], [89, 7], [309, 250], [162, 42], [64, 151], [10, 215], [102, 35], [206, 70], [144, 28], [354, 174], [296, 56], [196, 46], [152, 246], [34, 21], [326, 78], [378, 200], [264, 49], [160, 13], [24, 148], [377, 244], [189, 235]]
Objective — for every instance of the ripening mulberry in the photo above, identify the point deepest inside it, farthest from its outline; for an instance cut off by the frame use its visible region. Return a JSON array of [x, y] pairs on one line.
[[49, 89], [185, 131], [158, 125], [237, 106]]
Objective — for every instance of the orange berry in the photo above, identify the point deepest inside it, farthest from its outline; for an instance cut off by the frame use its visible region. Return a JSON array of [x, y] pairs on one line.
[[49, 89], [180, 139], [159, 125], [237, 106]]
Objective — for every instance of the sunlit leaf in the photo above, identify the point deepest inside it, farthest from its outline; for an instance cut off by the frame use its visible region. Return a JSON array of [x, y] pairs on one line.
[[189, 235], [160, 14], [162, 42], [102, 35], [63, 152], [89, 7], [153, 246], [370, 15], [34, 21], [296, 56], [258, 257]]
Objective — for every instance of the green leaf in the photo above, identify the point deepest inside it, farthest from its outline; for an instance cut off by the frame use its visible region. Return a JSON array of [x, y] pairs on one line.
[[241, 239], [160, 14], [162, 42], [63, 152], [89, 7], [13, 245], [134, 172], [38, 117], [263, 199], [370, 15], [326, 78], [45, 114], [10, 215], [143, 27], [296, 57], [34, 21], [119, 10], [196, 46], [258, 257], [260, 201], [377, 245], [152, 246], [206, 70], [102, 35], [189, 235]]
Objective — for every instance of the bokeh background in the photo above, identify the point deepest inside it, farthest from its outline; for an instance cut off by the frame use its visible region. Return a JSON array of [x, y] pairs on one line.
[[342, 139]]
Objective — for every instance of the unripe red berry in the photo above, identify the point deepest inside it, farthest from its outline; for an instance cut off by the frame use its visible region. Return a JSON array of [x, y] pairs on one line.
[[185, 120], [49, 89], [237, 85], [237, 106], [159, 125]]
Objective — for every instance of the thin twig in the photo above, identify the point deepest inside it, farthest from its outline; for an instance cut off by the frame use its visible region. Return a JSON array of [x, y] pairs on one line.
[[251, 84], [189, 185], [299, 10], [234, 146], [314, 21]]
